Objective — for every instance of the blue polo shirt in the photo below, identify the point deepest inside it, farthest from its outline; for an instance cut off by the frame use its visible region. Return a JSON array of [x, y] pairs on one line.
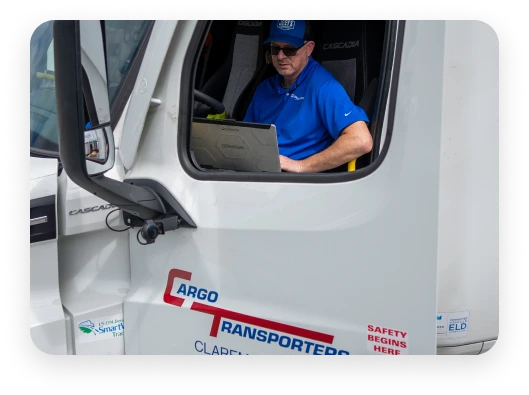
[[309, 115]]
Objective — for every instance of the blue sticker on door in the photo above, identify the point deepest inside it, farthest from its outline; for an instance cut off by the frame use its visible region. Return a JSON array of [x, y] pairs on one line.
[[452, 325]]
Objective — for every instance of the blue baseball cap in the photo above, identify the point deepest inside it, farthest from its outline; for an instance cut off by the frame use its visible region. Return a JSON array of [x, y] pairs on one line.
[[290, 32]]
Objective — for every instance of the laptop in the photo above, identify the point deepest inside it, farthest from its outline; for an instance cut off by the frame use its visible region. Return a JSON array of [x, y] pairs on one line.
[[234, 146]]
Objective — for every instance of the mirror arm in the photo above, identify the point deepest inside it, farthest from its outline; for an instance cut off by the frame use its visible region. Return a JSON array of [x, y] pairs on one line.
[[139, 201]]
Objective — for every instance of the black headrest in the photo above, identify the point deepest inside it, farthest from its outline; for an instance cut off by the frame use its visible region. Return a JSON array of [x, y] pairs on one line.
[[251, 28], [340, 40], [358, 40]]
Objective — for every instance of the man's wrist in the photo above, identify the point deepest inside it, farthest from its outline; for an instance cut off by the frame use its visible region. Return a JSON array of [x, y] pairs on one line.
[[302, 166]]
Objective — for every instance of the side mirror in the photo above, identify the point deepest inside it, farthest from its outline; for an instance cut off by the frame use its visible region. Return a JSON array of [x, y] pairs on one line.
[[86, 143], [90, 99]]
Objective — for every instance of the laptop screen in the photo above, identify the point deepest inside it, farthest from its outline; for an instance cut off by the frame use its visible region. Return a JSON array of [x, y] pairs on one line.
[[234, 146]]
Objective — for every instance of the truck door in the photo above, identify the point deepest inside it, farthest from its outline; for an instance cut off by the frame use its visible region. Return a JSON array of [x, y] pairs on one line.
[[292, 264], [268, 263]]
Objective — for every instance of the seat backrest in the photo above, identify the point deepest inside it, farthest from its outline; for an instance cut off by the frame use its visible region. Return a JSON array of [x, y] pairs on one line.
[[267, 70], [351, 51], [245, 58]]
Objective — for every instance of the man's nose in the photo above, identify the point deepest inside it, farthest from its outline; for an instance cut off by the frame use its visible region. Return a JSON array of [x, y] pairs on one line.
[[281, 55]]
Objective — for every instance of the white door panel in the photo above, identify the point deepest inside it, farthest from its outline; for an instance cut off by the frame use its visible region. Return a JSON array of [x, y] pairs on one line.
[[298, 268], [94, 277], [469, 193], [81, 211], [47, 325]]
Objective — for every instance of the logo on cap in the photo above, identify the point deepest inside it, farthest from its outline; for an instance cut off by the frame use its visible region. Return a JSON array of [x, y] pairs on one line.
[[286, 25]]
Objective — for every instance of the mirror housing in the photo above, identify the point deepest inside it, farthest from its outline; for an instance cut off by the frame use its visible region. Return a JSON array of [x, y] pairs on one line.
[[99, 139], [99, 142], [83, 77]]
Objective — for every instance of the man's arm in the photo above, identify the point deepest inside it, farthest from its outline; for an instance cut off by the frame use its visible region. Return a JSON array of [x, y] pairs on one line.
[[353, 142]]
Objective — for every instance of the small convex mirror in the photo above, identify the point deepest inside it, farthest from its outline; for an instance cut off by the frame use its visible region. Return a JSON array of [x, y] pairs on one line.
[[96, 144]]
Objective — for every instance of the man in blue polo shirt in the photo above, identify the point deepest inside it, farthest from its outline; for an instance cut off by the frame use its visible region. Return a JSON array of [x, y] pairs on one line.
[[318, 126]]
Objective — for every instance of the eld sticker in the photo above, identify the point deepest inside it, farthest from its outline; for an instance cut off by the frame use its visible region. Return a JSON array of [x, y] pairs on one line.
[[389, 341], [452, 325]]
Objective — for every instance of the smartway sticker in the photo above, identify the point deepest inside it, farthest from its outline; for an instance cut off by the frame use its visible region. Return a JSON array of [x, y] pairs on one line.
[[452, 325], [100, 328]]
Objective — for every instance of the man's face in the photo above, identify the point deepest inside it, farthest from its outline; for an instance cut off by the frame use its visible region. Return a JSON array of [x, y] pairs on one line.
[[291, 66]]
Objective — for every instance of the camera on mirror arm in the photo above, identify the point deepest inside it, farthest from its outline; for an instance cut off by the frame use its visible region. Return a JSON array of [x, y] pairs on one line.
[[150, 231]]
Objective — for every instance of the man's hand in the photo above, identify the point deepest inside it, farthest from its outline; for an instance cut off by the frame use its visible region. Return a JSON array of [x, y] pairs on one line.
[[290, 165]]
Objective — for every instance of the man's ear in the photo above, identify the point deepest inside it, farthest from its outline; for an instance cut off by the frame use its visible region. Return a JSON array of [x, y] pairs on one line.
[[310, 47]]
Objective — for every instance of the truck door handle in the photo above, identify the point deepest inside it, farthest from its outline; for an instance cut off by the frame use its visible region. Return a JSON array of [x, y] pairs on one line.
[[38, 220]]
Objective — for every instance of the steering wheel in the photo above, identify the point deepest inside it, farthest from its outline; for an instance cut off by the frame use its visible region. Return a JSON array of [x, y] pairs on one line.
[[201, 97], [214, 104]]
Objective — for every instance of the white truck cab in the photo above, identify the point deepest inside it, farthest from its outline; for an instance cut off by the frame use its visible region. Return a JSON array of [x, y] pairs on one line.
[[139, 245]]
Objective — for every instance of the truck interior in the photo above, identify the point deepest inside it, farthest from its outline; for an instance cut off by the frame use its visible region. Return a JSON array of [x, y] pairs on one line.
[[233, 62]]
